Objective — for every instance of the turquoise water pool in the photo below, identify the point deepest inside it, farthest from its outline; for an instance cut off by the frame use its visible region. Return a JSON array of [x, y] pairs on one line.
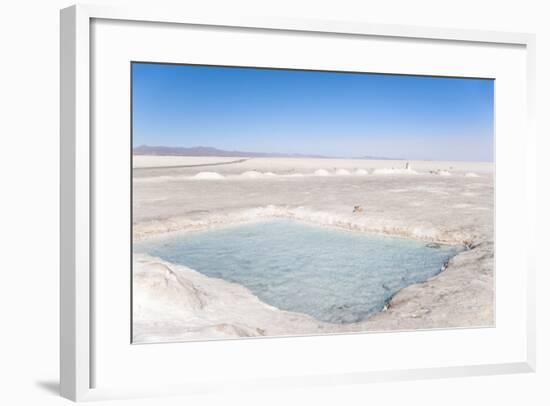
[[334, 275]]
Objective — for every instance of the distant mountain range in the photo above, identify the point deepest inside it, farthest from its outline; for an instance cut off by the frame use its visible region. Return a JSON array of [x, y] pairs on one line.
[[379, 158], [210, 151]]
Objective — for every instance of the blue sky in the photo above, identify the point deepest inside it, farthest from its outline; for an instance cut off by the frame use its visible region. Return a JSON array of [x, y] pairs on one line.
[[311, 112]]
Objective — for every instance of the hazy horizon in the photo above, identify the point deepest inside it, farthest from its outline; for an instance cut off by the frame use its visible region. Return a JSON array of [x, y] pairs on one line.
[[297, 155], [328, 114]]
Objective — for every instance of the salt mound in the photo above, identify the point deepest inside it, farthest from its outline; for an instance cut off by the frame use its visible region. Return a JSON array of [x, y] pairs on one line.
[[444, 173], [321, 172], [342, 172], [393, 171], [296, 175], [361, 172], [252, 174], [208, 175], [269, 174], [157, 286], [472, 175]]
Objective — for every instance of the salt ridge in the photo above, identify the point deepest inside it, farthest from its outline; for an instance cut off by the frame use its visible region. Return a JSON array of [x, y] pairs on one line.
[[351, 222]]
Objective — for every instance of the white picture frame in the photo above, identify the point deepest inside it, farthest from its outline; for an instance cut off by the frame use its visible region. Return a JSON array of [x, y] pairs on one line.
[[77, 188]]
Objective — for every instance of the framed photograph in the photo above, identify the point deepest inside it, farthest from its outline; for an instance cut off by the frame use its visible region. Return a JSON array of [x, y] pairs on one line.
[[260, 203]]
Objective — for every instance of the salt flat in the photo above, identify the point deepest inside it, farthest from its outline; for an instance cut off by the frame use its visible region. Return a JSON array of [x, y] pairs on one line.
[[449, 202]]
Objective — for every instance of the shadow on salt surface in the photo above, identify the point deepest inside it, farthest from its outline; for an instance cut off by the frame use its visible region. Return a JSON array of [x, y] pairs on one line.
[[334, 275]]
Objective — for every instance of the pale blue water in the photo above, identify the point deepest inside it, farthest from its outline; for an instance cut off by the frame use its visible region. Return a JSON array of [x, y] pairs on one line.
[[333, 275]]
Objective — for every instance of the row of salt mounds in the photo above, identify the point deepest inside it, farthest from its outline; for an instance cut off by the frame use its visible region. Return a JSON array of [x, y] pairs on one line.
[[208, 176], [340, 172], [472, 175], [256, 174], [393, 171]]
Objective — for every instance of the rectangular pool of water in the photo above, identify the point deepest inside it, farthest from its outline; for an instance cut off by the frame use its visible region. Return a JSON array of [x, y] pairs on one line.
[[334, 275]]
